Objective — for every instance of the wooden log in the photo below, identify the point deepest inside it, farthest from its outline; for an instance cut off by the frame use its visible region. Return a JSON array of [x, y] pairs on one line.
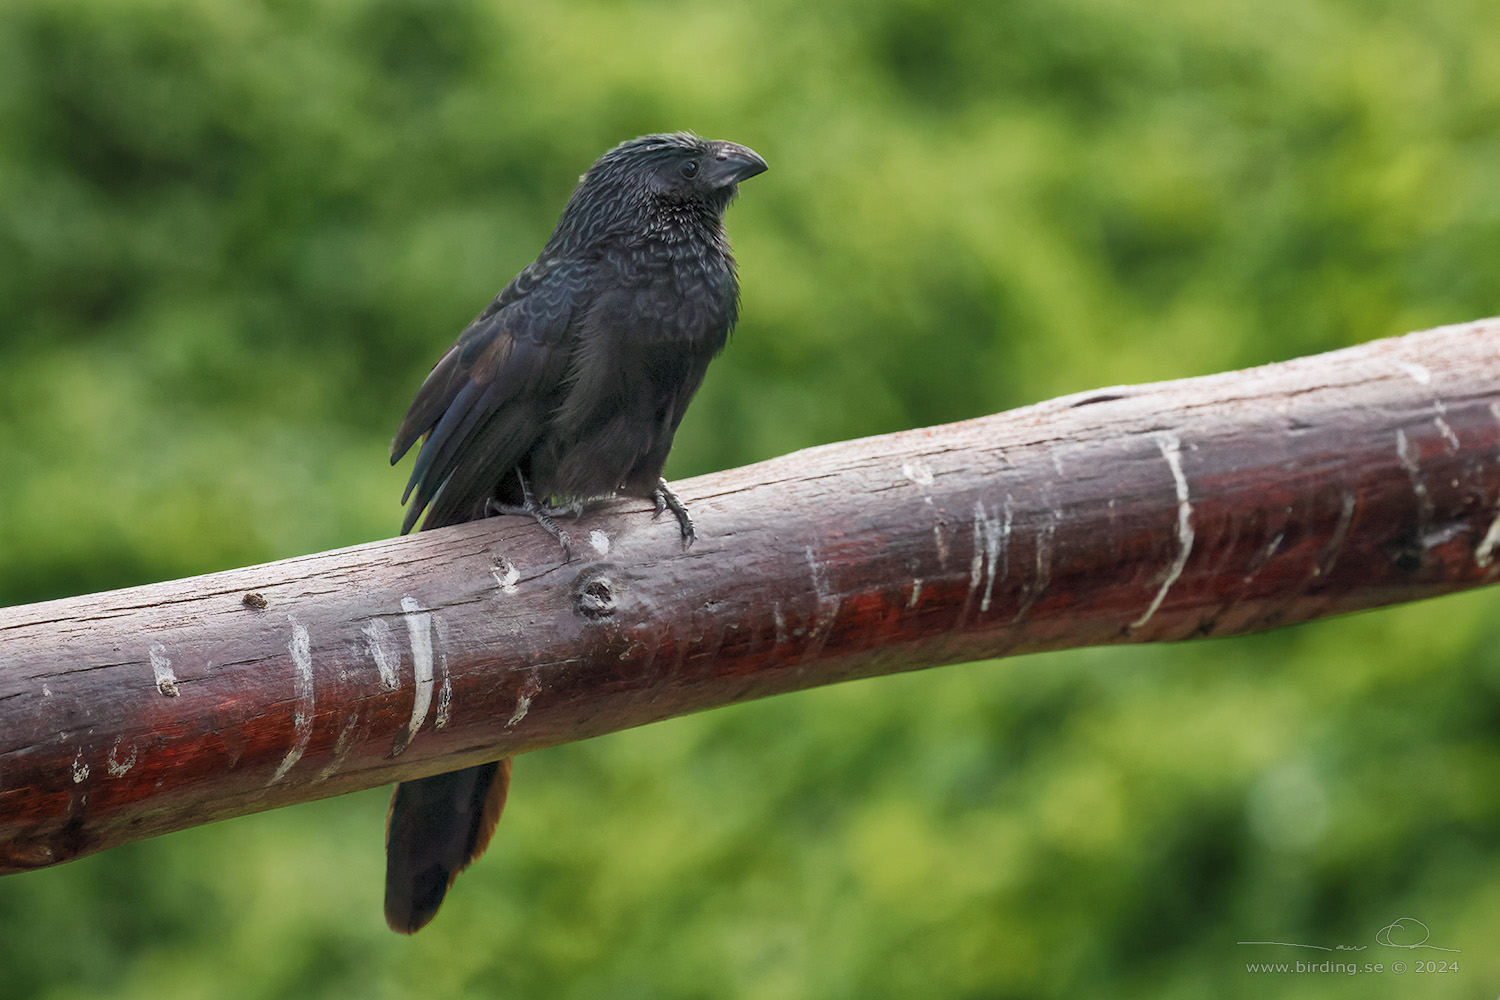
[[1205, 507]]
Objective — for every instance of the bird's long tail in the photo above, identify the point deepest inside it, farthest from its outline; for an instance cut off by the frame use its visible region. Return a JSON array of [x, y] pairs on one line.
[[436, 827]]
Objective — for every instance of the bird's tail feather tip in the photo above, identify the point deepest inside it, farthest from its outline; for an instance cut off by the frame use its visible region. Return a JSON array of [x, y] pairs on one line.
[[410, 908], [437, 827]]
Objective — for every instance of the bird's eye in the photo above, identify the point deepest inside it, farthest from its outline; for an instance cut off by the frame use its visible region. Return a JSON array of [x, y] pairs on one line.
[[689, 169]]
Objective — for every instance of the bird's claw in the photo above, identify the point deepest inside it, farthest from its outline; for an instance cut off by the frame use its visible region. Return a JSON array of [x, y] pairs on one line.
[[664, 499], [539, 511]]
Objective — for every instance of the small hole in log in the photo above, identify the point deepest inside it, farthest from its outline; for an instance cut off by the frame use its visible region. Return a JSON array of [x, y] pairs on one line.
[[1405, 554], [594, 596]]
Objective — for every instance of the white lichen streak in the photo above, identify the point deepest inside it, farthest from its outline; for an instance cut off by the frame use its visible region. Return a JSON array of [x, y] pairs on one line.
[[523, 705], [1445, 430], [1408, 454], [445, 703], [382, 650], [916, 592], [529, 690], [827, 607], [115, 765], [419, 631], [506, 575], [1042, 578], [1010, 516], [991, 540], [80, 769], [300, 647], [1044, 553], [341, 748], [1484, 552], [942, 545], [600, 542], [1274, 544], [976, 561], [1423, 376], [1171, 450], [445, 689], [1330, 553], [161, 669]]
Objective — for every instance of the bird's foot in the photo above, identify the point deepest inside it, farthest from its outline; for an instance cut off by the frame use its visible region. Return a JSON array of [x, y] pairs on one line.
[[664, 499], [539, 511]]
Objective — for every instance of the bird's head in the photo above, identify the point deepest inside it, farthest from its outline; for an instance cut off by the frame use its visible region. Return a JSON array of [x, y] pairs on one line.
[[655, 171]]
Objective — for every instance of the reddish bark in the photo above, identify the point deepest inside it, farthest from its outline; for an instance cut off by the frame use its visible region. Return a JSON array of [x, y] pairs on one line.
[[1205, 507]]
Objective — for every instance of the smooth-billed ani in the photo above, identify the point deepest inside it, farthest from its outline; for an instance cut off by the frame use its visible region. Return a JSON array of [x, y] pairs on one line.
[[569, 386]]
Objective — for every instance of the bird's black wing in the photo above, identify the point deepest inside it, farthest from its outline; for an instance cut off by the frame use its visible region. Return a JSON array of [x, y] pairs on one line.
[[486, 402]]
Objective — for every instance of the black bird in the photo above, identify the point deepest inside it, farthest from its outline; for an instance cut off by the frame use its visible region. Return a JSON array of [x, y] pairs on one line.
[[569, 386]]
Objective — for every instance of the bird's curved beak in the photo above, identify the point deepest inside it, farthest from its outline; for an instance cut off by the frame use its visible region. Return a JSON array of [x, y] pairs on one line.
[[730, 163]]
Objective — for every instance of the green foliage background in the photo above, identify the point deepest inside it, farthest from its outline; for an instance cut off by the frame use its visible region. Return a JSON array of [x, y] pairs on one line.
[[235, 233]]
